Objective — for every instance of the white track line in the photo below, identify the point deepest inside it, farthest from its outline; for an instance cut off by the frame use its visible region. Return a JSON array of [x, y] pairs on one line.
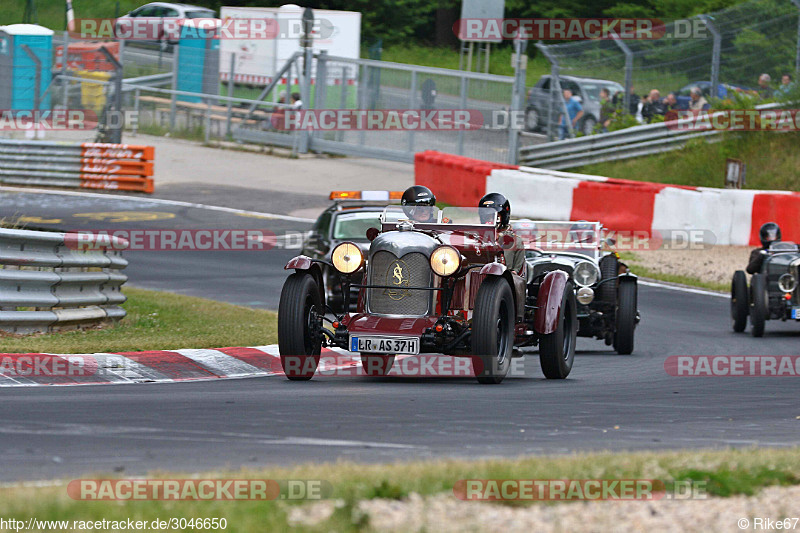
[[176, 203], [683, 289]]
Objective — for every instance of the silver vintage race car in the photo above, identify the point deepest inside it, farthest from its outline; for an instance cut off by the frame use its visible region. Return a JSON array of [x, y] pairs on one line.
[[607, 293]]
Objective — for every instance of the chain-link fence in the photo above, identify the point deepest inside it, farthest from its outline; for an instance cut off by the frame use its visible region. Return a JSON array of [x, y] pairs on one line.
[[719, 52]]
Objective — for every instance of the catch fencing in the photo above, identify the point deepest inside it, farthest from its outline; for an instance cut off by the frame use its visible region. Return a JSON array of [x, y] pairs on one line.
[[47, 284], [84, 165]]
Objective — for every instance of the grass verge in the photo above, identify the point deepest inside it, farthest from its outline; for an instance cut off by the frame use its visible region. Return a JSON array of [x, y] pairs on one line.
[[724, 472], [630, 259], [161, 321], [772, 160]]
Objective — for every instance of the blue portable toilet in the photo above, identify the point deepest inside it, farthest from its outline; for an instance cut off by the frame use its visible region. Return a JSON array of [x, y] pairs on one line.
[[198, 60], [19, 68]]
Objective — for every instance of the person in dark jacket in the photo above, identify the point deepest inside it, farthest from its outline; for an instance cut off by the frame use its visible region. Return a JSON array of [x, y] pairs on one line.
[[513, 247], [768, 234]]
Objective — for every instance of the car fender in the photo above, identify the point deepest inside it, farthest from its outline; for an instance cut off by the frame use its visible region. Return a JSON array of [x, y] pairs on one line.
[[548, 302], [302, 263], [493, 269]]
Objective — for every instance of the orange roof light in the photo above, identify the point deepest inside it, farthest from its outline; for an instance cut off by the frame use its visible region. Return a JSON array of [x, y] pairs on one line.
[[367, 196], [339, 195]]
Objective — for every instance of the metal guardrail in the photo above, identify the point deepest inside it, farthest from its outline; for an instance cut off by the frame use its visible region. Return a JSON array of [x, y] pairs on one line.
[[47, 283], [622, 144], [69, 164]]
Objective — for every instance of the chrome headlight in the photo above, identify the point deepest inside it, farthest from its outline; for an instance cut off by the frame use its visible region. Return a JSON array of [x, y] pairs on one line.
[[445, 260], [586, 274], [787, 283], [347, 258]]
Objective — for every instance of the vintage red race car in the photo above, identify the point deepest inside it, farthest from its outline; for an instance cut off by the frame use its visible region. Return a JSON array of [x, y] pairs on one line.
[[433, 282]]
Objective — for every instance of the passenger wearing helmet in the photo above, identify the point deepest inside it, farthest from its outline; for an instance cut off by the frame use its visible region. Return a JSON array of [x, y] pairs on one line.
[[769, 233], [419, 195], [513, 247]]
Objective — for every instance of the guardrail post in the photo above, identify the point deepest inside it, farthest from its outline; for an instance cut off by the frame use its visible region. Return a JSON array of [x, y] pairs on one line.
[[462, 104], [517, 95], [173, 106], [412, 104], [116, 131], [64, 79], [229, 114], [715, 53], [628, 72], [797, 53]]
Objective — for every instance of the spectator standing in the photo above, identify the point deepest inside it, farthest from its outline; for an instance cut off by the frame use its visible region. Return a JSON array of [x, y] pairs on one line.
[[297, 103], [697, 102], [574, 111], [652, 106], [764, 90], [606, 109], [633, 105], [670, 103], [787, 85]]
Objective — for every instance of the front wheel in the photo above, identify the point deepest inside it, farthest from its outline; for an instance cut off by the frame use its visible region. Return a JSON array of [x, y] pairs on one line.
[[300, 314], [557, 349], [626, 317], [758, 304], [588, 125], [531, 119], [739, 304], [376, 364], [493, 330]]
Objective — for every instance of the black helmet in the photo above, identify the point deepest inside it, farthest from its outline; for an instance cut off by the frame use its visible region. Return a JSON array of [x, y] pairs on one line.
[[418, 195], [499, 203], [769, 233]]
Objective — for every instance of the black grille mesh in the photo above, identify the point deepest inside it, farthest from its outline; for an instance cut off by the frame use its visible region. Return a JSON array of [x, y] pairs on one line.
[[414, 271]]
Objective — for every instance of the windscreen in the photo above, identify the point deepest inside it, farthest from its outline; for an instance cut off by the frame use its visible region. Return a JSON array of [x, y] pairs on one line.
[[555, 237], [354, 226]]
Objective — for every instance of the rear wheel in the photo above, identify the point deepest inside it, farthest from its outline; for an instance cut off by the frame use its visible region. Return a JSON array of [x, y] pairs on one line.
[[625, 317], [493, 330], [531, 119], [300, 314], [376, 364], [739, 305], [557, 349], [758, 304]]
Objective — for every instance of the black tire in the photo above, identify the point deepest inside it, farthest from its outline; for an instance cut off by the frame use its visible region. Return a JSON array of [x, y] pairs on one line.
[[532, 119], [759, 306], [740, 306], [376, 364], [493, 330], [609, 269], [625, 320], [299, 344], [557, 349]]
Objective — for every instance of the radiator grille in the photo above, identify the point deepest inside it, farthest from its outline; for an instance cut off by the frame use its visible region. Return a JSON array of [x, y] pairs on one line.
[[411, 270]]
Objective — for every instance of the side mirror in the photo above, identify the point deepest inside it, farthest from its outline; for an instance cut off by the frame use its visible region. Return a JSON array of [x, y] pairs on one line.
[[372, 233]]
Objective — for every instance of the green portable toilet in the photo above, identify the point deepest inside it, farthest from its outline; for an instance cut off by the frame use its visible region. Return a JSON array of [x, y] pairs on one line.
[[19, 69]]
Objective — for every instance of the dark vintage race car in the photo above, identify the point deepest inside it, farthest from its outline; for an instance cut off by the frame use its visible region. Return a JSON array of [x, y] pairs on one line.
[[773, 292], [607, 293], [346, 220], [435, 282]]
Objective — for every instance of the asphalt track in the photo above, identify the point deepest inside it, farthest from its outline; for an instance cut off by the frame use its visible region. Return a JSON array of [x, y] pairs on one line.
[[609, 402]]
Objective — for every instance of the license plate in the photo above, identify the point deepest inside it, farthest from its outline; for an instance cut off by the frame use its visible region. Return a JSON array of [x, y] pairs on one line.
[[389, 345], [796, 313]]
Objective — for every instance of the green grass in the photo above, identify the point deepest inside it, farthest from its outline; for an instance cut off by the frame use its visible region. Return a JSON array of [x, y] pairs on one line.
[[51, 13], [772, 161], [161, 321], [725, 473]]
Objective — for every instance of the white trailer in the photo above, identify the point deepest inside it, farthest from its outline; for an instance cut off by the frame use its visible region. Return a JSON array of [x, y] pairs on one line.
[[258, 58]]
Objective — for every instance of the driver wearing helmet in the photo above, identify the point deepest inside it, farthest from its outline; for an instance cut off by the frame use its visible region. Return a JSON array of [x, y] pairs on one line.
[[768, 234], [513, 247], [419, 195]]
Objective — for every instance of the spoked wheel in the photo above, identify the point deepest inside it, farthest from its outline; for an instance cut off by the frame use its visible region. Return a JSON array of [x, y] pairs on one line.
[[625, 320], [740, 307], [376, 364], [300, 314], [493, 330], [557, 349], [759, 307]]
